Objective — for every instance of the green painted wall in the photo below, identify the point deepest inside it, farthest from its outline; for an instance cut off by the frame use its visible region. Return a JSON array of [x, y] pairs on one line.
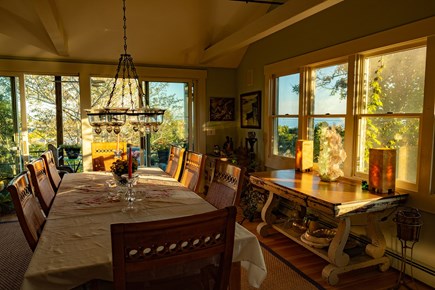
[[221, 83], [348, 20]]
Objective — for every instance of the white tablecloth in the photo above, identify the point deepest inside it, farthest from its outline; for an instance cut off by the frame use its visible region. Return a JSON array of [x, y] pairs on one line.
[[75, 245]]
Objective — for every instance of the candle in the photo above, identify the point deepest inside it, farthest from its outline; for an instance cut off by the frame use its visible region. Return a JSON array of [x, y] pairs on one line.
[[130, 163]]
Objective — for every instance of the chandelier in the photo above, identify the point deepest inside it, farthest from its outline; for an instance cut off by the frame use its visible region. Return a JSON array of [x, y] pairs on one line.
[[143, 117]]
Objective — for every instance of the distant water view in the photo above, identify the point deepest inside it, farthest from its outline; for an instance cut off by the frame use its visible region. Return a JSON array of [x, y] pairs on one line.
[[293, 122]]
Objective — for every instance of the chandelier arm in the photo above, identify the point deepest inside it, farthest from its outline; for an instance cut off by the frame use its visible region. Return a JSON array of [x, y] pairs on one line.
[[114, 84], [124, 70], [141, 91], [129, 62]]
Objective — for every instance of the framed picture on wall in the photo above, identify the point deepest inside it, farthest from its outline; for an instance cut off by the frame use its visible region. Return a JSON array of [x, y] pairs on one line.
[[250, 110], [222, 109]]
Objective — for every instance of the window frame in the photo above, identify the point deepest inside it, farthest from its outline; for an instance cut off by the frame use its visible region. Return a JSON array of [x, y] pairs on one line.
[[358, 115], [309, 99], [275, 116]]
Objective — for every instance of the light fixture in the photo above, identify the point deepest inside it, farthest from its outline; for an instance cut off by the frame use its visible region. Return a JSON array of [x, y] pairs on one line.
[[304, 155], [382, 170], [111, 118]]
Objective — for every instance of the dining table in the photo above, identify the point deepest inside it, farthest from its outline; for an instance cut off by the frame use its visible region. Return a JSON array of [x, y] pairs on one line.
[[75, 244]]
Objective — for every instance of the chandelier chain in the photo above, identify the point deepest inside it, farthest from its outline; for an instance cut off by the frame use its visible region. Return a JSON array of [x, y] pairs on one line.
[[125, 27]]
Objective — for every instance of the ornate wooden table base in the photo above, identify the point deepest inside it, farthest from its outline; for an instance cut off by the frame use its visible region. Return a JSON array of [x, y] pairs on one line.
[[340, 200]]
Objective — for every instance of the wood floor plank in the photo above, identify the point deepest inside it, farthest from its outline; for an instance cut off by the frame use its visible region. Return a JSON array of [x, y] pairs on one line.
[[310, 264]]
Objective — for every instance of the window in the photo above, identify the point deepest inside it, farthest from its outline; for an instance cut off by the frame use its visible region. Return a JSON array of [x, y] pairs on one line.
[[285, 120], [375, 99], [327, 102], [391, 109]]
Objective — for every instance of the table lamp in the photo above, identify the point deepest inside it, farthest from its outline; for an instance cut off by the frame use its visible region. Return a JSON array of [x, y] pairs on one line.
[[382, 170]]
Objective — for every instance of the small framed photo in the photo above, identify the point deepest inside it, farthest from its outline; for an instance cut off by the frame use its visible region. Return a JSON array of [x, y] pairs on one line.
[[250, 110], [222, 109]]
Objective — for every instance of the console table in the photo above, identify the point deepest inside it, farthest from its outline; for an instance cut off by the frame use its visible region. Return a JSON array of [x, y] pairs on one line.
[[337, 199]]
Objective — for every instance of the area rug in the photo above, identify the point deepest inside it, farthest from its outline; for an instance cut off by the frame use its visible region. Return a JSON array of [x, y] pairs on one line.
[[15, 255], [281, 274]]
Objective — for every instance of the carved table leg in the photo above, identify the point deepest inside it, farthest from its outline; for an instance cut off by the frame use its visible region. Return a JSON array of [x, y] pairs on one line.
[[340, 261], [265, 227], [336, 256], [376, 248], [335, 251]]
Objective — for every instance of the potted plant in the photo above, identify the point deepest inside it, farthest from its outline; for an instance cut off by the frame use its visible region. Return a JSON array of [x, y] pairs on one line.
[[6, 204], [162, 150], [72, 150]]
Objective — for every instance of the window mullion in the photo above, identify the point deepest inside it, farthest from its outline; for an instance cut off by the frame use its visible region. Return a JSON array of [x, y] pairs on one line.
[[304, 101]]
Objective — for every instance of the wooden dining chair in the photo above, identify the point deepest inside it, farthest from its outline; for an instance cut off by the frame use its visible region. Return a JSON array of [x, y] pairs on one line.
[[52, 172], [191, 252], [41, 184], [58, 158], [192, 170], [26, 206], [175, 162], [226, 186]]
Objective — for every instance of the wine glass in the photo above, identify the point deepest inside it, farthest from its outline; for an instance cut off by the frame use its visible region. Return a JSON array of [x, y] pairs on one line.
[[130, 193], [112, 193]]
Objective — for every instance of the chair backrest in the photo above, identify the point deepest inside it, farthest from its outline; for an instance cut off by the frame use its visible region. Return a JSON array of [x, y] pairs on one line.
[[172, 253], [55, 152], [41, 184], [58, 160], [192, 171], [103, 154], [226, 186], [98, 164], [50, 165], [175, 162], [28, 211]]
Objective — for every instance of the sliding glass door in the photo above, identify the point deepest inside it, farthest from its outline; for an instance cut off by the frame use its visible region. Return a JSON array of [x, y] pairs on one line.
[[53, 112], [176, 99], [10, 160]]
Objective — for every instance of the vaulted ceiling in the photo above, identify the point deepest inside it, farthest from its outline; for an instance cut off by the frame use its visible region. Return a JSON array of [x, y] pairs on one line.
[[186, 33]]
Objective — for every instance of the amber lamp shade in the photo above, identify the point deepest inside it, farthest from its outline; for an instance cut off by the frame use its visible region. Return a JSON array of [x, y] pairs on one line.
[[382, 170], [304, 155]]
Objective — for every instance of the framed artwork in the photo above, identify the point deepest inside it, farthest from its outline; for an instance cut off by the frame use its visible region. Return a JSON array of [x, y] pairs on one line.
[[250, 110], [222, 109]]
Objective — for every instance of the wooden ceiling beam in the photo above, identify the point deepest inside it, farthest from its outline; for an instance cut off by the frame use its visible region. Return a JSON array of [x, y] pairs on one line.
[[24, 31], [49, 16], [279, 18]]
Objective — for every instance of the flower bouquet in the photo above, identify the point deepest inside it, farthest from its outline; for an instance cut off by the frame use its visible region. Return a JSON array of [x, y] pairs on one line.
[[120, 167], [331, 154]]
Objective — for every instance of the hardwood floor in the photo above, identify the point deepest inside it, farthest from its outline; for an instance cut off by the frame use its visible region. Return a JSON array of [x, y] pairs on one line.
[[312, 265]]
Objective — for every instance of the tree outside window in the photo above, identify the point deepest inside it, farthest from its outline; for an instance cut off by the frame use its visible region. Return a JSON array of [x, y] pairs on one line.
[[392, 108]]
